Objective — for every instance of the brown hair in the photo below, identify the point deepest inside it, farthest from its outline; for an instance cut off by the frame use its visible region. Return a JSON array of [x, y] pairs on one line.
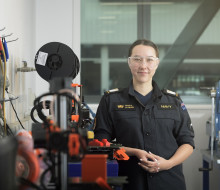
[[143, 42]]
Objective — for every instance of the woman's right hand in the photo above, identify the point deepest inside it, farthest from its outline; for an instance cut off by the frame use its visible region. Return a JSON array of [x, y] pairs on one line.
[[147, 161]]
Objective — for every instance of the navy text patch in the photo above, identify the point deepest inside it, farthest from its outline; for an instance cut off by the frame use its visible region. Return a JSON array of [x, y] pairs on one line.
[[166, 106]]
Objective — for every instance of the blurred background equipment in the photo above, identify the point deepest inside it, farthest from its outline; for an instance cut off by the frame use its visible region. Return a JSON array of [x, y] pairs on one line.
[[211, 156], [64, 135], [25, 68], [8, 151]]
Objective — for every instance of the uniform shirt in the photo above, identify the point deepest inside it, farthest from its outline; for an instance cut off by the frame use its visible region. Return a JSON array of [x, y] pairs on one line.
[[159, 127], [143, 99]]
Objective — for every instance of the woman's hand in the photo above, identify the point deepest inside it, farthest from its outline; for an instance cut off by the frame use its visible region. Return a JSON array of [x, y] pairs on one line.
[[151, 162], [154, 163]]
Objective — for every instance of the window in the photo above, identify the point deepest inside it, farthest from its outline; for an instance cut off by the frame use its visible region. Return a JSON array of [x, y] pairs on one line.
[[186, 32]]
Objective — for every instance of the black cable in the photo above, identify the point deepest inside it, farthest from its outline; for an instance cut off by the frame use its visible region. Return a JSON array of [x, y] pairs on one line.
[[24, 181], [15, 110], [37, 103], [53, 164], [32, 114], [50, 167], [39, 108], [9, 131], [43, 176]]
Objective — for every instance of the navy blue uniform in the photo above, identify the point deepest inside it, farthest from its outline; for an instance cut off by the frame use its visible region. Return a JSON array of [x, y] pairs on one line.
[[159, 127]]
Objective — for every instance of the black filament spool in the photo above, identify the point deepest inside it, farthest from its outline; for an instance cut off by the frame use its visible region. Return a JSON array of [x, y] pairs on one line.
[[56, 59]]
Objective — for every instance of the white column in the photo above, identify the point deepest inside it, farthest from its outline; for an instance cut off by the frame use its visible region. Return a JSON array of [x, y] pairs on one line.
[[76, 40], [104, 69]]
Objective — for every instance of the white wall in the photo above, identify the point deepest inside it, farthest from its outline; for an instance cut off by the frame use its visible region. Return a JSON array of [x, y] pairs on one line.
[[57, 21], [35, 23], [19, 18]]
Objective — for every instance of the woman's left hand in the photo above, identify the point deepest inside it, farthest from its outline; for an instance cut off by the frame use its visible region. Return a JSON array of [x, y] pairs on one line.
[[156, 165]]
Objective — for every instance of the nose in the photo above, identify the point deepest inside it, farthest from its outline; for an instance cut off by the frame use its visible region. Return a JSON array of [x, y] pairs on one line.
[[144, 63]]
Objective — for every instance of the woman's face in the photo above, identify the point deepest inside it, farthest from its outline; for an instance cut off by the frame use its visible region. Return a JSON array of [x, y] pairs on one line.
[[143, 63]]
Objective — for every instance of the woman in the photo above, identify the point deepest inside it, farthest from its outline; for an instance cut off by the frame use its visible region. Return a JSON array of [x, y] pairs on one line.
[[153, 125]]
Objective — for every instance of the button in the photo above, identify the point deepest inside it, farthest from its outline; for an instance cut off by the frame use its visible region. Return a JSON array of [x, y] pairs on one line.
[[147, 133], [150, 175], [146, 113]]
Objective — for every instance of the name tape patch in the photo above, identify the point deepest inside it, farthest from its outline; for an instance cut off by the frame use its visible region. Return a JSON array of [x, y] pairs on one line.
[[166, 106], [124, 107]]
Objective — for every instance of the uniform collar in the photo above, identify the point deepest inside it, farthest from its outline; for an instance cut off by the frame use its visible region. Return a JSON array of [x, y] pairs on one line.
[[156, 91], [157, 94], [131, 89]]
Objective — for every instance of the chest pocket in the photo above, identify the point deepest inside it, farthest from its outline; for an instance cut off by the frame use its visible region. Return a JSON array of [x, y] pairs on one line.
[[126, 121], [124, 111], [166, 116], [166, 111]]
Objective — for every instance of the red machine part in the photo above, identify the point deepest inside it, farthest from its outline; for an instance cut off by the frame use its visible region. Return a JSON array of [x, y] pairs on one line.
[[93, 167], [52, 128], [96, 142], [102, 183], [76, 85], [120, 154], [105, 142], [75, 118], [73, 144], [27, 166]]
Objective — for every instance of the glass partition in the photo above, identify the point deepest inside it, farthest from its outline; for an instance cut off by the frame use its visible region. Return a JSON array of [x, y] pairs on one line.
[[186, 32]]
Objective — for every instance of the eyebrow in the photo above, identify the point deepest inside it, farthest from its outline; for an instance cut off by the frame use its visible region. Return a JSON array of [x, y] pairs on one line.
[[142, 56]]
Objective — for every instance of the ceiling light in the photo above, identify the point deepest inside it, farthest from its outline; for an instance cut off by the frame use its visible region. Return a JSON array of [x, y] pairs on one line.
[[135, 3], [106, 17]]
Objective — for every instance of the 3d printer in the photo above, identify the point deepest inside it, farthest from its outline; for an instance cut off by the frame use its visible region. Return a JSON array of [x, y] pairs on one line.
[[63, 138]]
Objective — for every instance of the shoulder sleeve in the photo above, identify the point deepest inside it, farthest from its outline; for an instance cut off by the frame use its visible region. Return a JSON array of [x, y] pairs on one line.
[[112, 91], [103, 126], [170, 93], [184, 129]]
